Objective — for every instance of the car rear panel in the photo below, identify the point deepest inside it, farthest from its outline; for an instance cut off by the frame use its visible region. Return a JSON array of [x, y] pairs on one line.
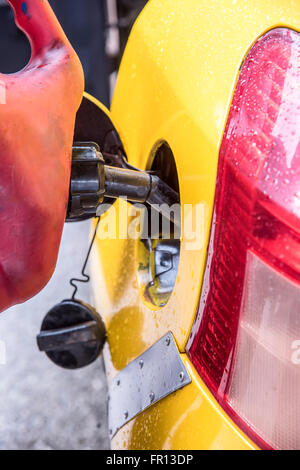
[[176, 83]]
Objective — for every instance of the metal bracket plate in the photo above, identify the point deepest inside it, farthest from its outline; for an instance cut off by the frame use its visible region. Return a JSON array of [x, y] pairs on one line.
[[154, 375]]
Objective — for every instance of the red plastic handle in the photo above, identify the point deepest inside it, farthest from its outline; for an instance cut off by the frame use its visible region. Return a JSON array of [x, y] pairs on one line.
[[37, 120], [37, 20]]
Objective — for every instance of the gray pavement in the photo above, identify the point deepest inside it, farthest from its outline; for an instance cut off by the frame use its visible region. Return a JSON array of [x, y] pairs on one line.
[[41, 405]]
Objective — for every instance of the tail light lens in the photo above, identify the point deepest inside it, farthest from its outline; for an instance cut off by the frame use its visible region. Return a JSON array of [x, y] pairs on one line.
[[245, 342]]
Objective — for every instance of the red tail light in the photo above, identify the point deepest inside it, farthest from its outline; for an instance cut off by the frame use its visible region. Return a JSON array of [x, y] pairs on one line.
[[245, 343]]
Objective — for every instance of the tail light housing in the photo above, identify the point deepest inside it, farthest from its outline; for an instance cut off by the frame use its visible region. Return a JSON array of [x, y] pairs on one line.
[[245, 342]]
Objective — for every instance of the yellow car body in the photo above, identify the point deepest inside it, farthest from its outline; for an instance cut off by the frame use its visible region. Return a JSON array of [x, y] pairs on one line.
[[175, 85]]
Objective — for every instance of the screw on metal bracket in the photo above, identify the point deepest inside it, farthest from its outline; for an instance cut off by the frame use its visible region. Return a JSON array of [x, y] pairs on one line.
[[152, 376]]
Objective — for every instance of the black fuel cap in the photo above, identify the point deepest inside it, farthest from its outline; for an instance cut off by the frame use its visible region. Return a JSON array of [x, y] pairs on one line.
[[72, 334]]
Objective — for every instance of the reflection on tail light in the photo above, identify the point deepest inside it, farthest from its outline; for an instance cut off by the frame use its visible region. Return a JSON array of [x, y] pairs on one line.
[[245, 342]]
